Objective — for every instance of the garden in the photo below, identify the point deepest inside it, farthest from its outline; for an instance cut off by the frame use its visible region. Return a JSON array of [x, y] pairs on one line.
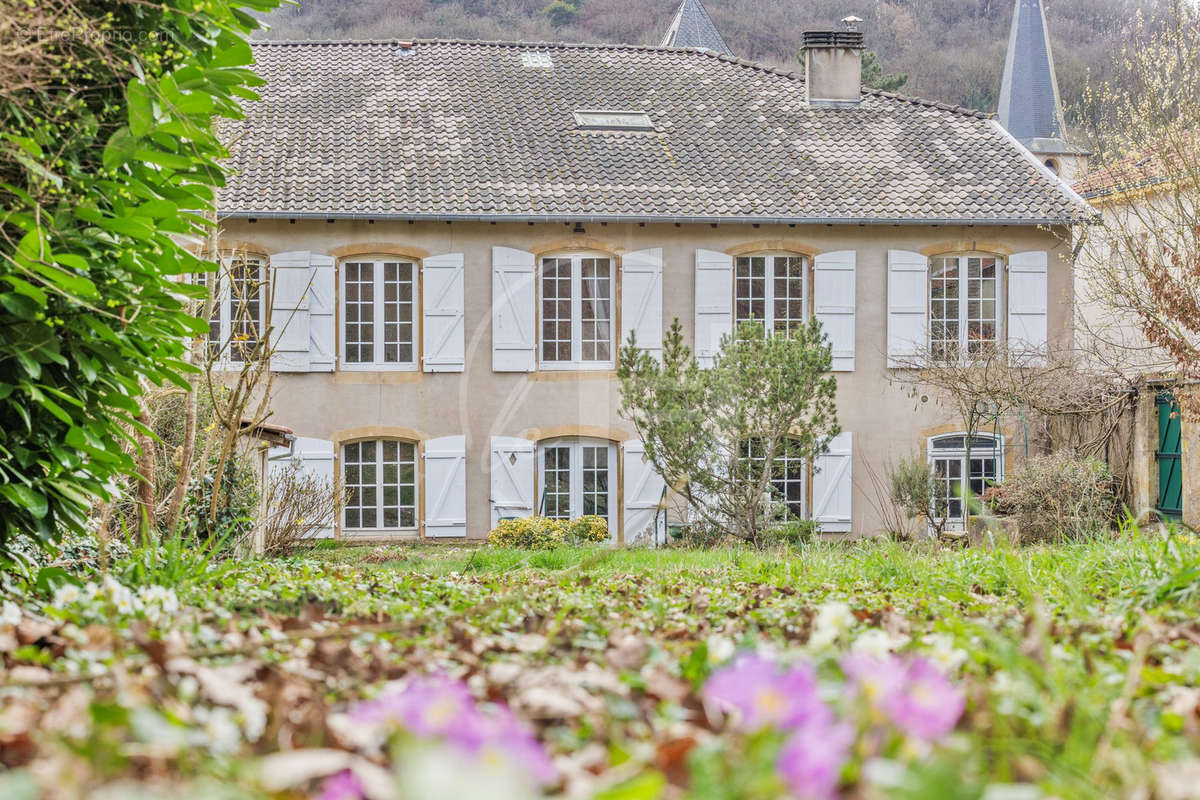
[[874, 669]]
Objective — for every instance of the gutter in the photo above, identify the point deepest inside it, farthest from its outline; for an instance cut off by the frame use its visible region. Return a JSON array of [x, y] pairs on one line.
[[650, 218]]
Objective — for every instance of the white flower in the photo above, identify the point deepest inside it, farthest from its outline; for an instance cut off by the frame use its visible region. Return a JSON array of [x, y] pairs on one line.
[[220, 731], [833, 620], [720, 648], [941, 651], [11, 615], [877, 643], [68, 594]]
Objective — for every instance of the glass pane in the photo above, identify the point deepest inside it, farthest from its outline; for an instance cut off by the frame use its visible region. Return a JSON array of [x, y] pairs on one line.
[[595, 308], [556, 309]]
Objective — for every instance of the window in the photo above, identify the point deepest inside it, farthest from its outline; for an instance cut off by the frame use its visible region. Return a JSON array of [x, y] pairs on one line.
[[577, 478], [380, 478], [236, 320], [788, 477], [954, 476], [379, 314], [772, 290], [963, 300], [613, 121], [1051, 165], [577, 311]]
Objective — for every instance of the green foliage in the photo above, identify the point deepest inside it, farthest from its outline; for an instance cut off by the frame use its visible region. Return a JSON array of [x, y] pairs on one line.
[[874, 76], [720, 432], [914, 490], [562, 12], [588, 529], [529, 533], [794, 532], [237, 502], [1058, 496], [108, 161]]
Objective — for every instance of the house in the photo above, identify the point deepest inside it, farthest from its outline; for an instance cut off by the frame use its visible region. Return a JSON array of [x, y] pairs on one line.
[[454, 238]]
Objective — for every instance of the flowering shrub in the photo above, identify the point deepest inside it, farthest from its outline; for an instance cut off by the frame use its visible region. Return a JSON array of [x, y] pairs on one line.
[[588, 529], [529, 533]]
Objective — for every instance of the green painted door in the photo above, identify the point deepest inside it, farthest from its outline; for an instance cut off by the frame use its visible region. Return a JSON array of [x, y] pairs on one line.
[[1169, 457]]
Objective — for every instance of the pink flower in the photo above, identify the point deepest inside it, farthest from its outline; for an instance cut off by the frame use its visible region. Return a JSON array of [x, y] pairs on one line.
[[929, 705], [916, 696], [811, 762], [764, 694], [345, 785]]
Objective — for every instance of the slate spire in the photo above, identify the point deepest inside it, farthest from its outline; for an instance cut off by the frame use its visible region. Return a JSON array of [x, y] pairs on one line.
[[1029, 105], [693, 27]]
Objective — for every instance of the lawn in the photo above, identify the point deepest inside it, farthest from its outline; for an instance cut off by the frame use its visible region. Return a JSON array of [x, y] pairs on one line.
[[866, 671]]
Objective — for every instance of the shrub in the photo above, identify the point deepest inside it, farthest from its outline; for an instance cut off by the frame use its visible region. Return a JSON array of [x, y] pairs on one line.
[[793, 532], [914, 489], [589, 529], [298, 504], [1058, 496], [529, 533]]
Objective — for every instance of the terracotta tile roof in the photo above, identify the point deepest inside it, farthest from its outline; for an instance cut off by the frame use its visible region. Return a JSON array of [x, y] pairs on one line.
[[465, 130], [1144, 170]]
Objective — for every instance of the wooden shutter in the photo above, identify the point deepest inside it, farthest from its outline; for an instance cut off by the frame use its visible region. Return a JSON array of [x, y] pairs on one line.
[[514, 317], [714, 303], [445, 476], [316, 459], [512, 467], [443, 303], [642, 488], [642, 299], [322, 315], [834, 303], [908, 307], [1027, 302], [291, 278], [833, 489]]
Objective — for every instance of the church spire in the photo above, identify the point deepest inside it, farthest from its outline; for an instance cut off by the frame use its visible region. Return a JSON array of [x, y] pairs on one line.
[[693, 27], [1030, 108]]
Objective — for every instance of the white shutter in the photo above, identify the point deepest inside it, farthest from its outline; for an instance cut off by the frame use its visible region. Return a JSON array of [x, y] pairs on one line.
[[833, 489], [714, 303], [322, 315], [289, 290], [446, 487], [514, 311], [642, 488], [316, 457], [833, 302], [443, 303], [1027, 302], [642, 299], [512, 477], [908, 305]]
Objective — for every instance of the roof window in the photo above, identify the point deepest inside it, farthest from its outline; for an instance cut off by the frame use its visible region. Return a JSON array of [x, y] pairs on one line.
[[532, 59], [597, 120]]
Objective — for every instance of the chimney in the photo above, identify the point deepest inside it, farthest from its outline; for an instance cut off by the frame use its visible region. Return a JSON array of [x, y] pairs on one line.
[[833, 65]]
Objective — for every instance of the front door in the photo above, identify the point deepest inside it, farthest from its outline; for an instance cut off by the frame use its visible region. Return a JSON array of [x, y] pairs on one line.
[[1169, 457]]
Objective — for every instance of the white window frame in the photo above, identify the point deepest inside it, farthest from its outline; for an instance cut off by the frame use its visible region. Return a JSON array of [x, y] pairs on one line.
[[805, 477], [575, 447], [379, 527], [377, 364], [223, 306], [577, 362], [996, 451], [964, 319], [769, 287]]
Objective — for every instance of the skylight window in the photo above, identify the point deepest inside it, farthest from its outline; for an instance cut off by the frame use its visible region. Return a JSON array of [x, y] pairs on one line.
[[535, 60], [613, 121]]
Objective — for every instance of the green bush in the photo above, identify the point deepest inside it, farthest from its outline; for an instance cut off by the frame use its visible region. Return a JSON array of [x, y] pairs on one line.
[[588, 529], [529, 533], [1058, 496], [792, 532]]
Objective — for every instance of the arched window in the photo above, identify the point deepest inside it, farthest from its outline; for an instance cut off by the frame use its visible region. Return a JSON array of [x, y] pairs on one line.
[[1052, 165], [789, 474], [379, 313], [964, 305], [577, 291], [771, 288], [380, 478], [955, 470], [577, 477]]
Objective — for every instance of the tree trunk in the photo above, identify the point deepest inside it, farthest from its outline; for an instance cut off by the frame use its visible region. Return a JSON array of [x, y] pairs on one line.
[[146, 473]]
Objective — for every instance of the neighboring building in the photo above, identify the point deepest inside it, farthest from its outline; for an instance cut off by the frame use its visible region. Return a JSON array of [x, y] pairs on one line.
[[1030, 108], [1134, 194], [693, 27], [458, 236]]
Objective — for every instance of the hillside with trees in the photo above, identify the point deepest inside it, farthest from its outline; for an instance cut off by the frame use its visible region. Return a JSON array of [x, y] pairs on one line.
[[950, 50]]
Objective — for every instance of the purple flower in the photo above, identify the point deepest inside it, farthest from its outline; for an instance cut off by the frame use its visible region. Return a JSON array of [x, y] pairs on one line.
[[915, 695], [505, 737], [811, 762], [763, 694], [345, 785], [928, 706]]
